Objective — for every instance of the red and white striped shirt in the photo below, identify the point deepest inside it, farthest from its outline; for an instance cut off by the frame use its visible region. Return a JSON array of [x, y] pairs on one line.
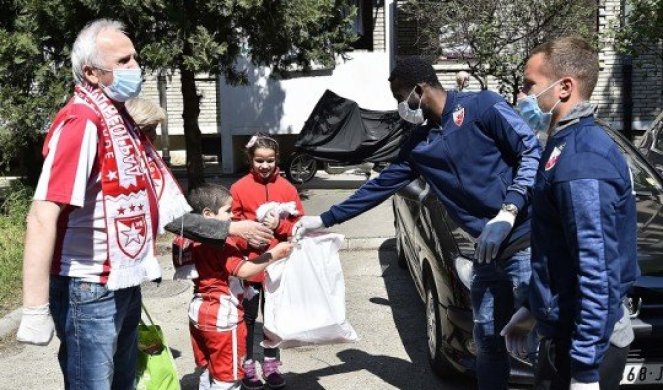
[[71, 177], [216, 303]]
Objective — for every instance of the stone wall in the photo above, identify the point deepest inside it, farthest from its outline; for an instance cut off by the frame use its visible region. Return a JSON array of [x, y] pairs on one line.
[[379, 36], [206, 88]]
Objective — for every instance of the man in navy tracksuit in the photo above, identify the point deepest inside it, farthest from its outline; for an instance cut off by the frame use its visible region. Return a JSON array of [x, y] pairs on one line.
[[583, 227], [480, 159]]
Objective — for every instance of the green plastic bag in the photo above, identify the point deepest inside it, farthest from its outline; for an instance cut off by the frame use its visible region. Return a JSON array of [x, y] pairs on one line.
[[155, 366]]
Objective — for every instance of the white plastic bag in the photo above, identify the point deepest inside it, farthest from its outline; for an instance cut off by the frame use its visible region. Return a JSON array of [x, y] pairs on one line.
[[305, 296]]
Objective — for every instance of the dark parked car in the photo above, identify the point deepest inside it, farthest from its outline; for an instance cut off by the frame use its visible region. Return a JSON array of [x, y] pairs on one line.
[[437, 253], [651, 145]]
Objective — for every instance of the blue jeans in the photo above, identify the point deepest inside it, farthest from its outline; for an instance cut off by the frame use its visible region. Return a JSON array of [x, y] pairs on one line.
[[497, 290], [97, 329]]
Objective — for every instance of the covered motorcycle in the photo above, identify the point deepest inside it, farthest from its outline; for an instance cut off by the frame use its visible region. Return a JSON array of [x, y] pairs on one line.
[[339, 131]]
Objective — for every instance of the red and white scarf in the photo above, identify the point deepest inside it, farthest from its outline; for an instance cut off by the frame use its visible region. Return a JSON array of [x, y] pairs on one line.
[[140, 194]]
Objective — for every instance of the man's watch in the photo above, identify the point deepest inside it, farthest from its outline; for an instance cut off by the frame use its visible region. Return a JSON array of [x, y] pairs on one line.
[[510, 208]]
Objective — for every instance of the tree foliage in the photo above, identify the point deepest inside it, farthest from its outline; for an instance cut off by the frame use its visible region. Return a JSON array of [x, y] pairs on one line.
[[494, 38], [190, 36], [642, 30]]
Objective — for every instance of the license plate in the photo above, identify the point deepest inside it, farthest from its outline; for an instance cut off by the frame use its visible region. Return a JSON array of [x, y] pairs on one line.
[[642, 373]]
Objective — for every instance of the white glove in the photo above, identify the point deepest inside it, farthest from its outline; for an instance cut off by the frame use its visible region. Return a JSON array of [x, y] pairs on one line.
[[36, 325], [516, 331], [583, 386], [306, 224]]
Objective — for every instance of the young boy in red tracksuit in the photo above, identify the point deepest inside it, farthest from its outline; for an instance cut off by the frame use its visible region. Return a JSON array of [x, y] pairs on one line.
[[261, 185], [218, 332]]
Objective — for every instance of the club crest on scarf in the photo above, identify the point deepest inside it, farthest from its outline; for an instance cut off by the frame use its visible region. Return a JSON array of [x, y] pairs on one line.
[[131, 222], [131, 234], [459, 115]]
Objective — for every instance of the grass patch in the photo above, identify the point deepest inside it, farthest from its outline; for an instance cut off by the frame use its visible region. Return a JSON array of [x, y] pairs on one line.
[[12, 234]]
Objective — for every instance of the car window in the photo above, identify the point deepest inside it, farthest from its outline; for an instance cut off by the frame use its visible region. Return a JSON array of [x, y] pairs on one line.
[[643, 180], [656, 131]]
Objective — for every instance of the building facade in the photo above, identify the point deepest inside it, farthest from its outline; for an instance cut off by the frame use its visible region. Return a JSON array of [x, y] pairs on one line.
[[230, 114]]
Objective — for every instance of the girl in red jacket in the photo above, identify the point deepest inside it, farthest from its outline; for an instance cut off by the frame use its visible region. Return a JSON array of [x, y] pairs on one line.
[[263, 184]]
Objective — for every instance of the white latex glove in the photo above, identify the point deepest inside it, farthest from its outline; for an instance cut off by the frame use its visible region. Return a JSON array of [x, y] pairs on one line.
[[492, 236], [515, 332], [306, 224], [36, 325], [583, 386]]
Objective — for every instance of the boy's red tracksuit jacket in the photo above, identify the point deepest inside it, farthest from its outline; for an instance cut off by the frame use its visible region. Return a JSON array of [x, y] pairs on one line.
[[250, 192]]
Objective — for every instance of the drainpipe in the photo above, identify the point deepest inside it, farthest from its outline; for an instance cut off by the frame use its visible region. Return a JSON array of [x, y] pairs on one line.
[[627, 82], [163, 101], [390, 15]]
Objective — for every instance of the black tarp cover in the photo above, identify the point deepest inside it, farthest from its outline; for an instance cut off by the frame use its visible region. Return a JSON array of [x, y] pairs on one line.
[[338, 130]]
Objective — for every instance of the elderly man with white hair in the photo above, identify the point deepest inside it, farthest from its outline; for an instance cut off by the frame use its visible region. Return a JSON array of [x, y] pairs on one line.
[[103, 195], [462, 80]]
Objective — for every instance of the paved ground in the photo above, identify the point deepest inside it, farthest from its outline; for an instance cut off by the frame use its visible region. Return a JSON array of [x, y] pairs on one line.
[[383, 306]]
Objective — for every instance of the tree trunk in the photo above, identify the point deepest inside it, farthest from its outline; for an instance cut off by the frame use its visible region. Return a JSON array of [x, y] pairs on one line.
[[515, 87], [190, 113], [191, 107]]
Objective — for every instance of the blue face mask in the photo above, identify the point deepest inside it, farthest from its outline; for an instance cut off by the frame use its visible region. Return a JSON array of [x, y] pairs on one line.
[[529, 110], [126, 84]]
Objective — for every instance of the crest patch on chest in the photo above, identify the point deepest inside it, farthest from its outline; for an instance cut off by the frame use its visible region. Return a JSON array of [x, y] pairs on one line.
[[554, 156], [459, 115]]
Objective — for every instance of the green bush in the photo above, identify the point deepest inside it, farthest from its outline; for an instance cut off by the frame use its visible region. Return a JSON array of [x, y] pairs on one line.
[[12, 233]]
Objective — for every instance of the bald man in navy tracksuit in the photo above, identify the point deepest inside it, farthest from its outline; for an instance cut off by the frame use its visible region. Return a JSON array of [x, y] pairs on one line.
[[480, 159]]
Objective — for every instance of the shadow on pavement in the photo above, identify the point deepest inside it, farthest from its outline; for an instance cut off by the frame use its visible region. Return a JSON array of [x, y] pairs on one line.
[[190, 381], [390, 369], [408, 316]]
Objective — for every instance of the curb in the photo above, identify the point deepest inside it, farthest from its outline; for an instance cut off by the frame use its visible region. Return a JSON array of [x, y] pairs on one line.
[[9, 323]]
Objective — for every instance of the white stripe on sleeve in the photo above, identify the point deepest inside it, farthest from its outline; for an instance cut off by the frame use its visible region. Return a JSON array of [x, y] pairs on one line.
[[86, 159], [44, 178]]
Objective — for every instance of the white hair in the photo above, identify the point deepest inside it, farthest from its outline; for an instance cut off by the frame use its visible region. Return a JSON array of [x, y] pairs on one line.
[[461, 78], [85, 51]]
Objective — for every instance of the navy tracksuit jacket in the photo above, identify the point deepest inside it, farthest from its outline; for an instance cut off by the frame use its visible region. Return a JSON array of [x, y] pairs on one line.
[[480, 156], [583, 242]]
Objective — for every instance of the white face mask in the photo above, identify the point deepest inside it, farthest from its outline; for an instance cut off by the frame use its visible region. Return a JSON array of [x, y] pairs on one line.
[[409, 115]]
